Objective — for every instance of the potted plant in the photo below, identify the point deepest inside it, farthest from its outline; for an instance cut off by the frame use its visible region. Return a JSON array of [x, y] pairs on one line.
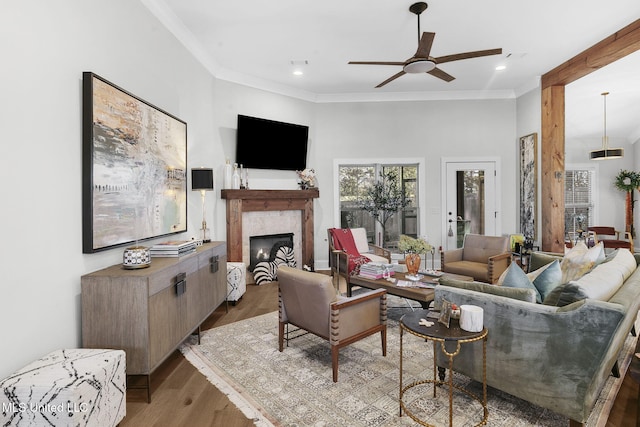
[[384, 199], [412, 248], [628, 181]]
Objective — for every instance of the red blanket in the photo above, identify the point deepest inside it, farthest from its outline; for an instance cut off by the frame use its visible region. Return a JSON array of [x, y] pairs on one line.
[[343, 241]]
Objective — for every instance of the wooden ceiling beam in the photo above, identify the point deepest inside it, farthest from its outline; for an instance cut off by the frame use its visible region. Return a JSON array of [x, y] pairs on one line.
[[614, 47]]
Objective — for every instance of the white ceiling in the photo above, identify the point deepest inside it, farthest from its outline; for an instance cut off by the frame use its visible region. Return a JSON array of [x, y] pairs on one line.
[[254, 42]]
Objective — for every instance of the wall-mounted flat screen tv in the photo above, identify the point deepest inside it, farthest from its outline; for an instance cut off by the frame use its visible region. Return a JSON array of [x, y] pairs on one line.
[[268, 144]]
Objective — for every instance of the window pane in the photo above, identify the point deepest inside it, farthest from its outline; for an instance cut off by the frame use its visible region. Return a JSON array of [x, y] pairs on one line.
[[578, 201], [406, 220], [355, 180]]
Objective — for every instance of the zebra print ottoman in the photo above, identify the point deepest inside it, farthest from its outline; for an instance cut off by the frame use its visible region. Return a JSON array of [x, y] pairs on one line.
[[267, 271]]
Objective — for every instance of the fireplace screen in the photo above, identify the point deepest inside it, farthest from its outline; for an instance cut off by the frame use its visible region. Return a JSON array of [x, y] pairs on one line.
[[261, 247]]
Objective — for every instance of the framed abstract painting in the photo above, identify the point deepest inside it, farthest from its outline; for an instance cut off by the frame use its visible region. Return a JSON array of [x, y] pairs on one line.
[[528, 185], [134, 161]]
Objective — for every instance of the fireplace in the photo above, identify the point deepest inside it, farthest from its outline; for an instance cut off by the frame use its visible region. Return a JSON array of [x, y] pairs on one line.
[[242, 204], [260, 247]]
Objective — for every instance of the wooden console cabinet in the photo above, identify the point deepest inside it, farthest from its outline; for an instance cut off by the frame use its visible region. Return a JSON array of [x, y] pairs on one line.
[[149, 312]]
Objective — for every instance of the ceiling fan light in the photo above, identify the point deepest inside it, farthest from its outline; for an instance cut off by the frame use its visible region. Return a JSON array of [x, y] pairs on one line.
[[419, 66]]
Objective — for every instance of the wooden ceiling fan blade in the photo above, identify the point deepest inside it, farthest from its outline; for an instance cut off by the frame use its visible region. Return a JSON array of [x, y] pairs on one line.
[[375, 63], [392, 78], [424, 47], [467, 55], [437, 72]]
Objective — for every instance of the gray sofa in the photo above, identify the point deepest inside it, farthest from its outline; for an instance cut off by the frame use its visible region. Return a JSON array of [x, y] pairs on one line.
[[557, 357]]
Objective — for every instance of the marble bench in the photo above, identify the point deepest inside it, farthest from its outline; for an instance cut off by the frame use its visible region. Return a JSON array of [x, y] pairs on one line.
[[74, 387]]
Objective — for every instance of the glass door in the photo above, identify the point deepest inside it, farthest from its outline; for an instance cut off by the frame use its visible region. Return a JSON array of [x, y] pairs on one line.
[[470, 206]]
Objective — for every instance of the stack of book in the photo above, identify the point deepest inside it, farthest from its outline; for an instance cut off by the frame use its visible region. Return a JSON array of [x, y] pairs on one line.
[[376, 270], [173, 248]]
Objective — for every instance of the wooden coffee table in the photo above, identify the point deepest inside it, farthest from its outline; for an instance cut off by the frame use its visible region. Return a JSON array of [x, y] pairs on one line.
[[423, 295]]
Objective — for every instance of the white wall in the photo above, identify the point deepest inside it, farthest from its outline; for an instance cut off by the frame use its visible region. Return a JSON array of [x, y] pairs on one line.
[[47, 45], [425, 130], [231, 99]]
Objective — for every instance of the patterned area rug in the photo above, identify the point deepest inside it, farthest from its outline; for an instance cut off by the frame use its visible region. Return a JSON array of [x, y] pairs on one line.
[[294, 388]]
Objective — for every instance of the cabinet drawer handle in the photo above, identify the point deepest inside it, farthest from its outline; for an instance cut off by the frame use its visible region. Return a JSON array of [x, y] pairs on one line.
[[181, 283], [214, 264]]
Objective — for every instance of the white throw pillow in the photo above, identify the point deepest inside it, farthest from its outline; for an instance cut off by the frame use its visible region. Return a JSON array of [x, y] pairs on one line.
[[360, 239], [580, 260]]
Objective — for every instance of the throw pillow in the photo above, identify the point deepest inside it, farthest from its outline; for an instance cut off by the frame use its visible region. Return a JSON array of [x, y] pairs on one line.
[[548, 279], [553, 297], [516, 278], [580, 260], [533, 274]]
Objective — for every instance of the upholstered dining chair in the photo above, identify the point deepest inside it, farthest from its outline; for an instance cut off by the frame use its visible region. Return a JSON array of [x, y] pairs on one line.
[[610, 237], [309, 301], [484, 258]]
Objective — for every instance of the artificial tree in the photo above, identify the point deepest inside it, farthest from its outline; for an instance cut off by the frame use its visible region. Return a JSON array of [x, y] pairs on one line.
[[384, 199]]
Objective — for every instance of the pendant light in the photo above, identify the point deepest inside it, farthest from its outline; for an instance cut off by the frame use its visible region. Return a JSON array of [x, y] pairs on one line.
[[606, 153]]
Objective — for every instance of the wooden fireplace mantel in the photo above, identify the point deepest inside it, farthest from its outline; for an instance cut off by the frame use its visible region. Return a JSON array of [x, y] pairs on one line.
[[240, 201]]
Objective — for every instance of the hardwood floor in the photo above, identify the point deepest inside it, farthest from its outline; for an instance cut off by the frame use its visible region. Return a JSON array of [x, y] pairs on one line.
[[182, 396]]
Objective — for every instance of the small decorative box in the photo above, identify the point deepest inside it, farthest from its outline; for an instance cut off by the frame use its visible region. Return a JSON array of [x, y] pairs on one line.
[[136, 257]]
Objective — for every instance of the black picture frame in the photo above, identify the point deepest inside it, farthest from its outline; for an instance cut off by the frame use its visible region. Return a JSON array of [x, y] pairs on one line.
[[134, 162]]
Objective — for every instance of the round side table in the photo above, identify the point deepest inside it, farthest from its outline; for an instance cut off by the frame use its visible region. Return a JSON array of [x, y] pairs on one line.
[[440, 334]]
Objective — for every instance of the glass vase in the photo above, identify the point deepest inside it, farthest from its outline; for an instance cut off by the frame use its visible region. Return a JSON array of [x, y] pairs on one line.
[[412, 262]]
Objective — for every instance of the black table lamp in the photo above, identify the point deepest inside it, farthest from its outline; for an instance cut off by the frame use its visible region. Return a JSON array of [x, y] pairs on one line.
[[202, 180]]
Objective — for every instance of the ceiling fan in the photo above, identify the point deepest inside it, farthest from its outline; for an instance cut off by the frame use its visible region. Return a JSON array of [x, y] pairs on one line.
[[421, 62]]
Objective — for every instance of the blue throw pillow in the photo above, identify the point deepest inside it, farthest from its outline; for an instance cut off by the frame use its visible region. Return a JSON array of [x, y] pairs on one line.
[[516, 278], [547, 281]]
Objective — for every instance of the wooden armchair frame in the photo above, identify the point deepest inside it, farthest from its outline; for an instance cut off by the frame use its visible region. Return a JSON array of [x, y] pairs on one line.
[[350, 319], [339, 260], [612, 243]]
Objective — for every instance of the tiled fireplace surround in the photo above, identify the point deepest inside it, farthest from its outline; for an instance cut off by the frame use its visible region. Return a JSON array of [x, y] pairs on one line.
[[272, 222], [260, 212]]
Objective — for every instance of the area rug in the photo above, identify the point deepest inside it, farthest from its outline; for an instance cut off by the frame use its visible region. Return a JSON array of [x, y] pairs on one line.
[[295, 387]]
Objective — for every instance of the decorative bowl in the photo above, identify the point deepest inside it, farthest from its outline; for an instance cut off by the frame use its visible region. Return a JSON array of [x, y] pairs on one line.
[[136, 257]]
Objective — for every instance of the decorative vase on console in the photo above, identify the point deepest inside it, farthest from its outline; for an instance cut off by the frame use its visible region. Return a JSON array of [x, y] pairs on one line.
[[412, 249]]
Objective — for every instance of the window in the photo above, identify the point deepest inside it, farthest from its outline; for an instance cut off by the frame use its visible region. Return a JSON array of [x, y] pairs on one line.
[[355, 180], [578, 199]]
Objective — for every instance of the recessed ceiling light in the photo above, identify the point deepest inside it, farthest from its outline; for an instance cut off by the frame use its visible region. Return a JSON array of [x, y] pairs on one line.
[[501, 67], [298, 66]]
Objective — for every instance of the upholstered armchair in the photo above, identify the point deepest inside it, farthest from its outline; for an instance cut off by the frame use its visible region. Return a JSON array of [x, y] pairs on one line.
[[484, 258], [343, 253], [309, 301]]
